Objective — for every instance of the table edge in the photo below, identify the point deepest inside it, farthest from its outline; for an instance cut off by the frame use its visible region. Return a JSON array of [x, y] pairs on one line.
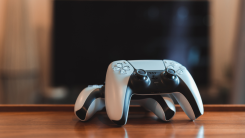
[[135, 108]]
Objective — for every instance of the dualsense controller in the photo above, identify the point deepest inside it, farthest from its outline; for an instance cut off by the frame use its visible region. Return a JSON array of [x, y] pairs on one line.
[[149, 78], [91, 100]]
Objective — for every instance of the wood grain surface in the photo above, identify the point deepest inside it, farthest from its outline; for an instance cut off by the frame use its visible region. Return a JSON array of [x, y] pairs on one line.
[[64, 124], [136, 108]]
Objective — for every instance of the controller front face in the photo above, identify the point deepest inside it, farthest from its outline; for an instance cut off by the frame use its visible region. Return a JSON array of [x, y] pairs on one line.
[[149, 77], [91, 100]]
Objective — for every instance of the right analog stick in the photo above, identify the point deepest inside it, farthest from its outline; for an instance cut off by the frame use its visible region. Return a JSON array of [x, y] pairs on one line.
[[170, 73], [170, 79]]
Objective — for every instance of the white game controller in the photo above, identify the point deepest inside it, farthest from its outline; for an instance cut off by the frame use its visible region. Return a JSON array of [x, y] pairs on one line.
[[91, 100], [149, 78]]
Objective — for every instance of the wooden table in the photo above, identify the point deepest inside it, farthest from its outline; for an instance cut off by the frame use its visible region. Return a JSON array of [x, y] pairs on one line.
[[58, 121]]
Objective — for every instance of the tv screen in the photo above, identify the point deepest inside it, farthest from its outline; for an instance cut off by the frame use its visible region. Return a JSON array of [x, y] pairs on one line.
[[89, 35]]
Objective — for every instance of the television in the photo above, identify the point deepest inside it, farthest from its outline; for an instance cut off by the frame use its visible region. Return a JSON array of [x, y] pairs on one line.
[[89, 35]]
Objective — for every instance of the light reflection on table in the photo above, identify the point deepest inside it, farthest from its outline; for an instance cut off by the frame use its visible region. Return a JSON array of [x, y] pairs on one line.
[[140, 125]]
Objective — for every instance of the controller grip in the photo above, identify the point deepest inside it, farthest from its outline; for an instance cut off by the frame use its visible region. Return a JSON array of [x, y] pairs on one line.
[[190, 100], [162, 107], [124, 117], [89, 101]]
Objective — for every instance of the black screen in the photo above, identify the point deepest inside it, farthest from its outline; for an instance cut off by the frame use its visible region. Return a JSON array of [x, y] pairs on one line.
[[89, 35]]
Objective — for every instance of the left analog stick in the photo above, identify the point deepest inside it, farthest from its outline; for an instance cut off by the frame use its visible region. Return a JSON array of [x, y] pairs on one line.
[[140, 79], [141, 74]]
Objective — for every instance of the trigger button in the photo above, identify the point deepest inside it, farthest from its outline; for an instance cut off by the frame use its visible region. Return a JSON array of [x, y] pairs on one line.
[[179, 72]]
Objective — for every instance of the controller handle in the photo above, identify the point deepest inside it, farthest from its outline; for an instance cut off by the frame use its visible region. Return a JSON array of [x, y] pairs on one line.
[[189, 99], [89, 102], [117, 94], [187, 93]]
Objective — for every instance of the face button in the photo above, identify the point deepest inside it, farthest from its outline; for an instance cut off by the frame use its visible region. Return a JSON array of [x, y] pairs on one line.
[[126, 68], [116, 68], [179, 72], [119, 65], [121, 68], [172, 63], [182, 67], [141, 74], [123, 71]]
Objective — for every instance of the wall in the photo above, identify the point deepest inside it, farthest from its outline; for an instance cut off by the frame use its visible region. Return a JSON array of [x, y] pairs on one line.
[[25, 34], [224, 24]]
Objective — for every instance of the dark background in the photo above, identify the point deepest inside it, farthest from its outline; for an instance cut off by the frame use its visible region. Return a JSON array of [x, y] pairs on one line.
[[88, 36]]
